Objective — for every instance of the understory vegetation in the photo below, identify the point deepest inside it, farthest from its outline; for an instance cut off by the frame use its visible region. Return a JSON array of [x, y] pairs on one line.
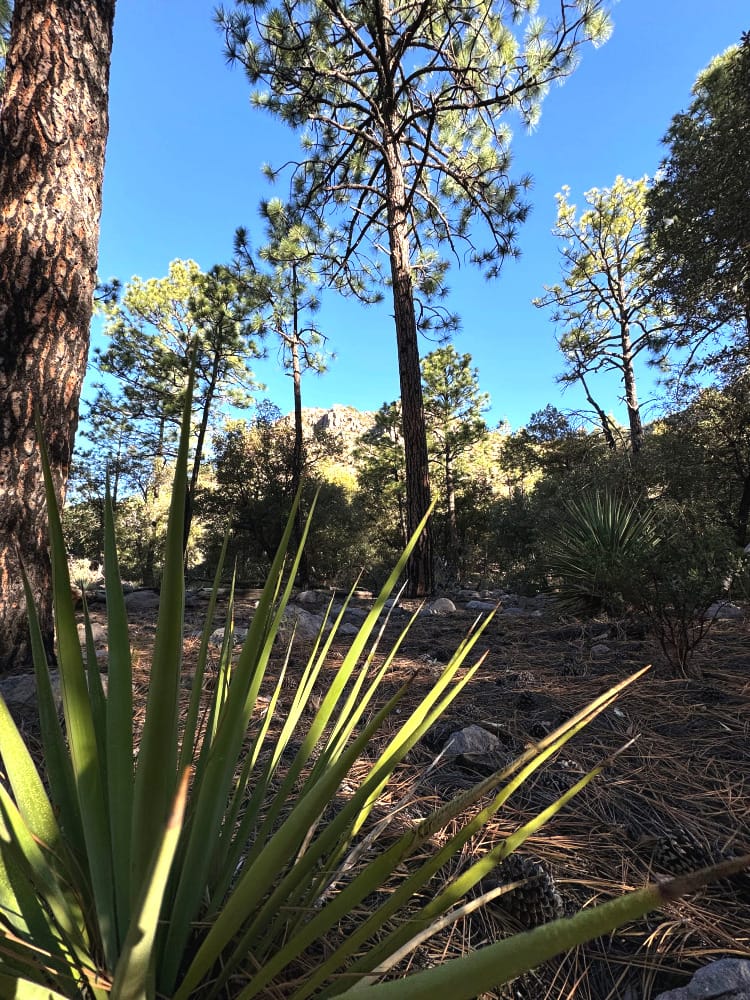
[[550, 508], [228, 845]]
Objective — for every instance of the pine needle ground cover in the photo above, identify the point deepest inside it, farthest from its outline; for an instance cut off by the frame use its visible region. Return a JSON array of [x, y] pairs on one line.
[[675, 800]]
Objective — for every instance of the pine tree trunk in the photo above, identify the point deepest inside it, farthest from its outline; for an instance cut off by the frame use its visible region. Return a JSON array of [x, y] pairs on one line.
[[450, 495], [192, 485], [53, 129], [420, 569], [298, 454], [631, 394]]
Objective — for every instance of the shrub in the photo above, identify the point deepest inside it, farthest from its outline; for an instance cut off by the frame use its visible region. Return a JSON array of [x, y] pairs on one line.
[[664, 562], [599, 552], [686, 573]]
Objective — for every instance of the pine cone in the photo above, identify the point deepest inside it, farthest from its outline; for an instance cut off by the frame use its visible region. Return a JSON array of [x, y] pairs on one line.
[[571, 667], [680, 852], [535, 902]]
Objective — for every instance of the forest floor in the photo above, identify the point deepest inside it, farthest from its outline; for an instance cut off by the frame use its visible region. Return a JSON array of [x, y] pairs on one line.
[[676, 798]]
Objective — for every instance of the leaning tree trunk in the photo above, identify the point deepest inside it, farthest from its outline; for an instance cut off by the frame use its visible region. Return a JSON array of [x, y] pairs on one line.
[[604, 422], [53, 130], [420, 569]]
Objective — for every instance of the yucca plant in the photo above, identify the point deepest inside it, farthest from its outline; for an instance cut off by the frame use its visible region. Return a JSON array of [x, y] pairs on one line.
[[600, 551], [200, 858]]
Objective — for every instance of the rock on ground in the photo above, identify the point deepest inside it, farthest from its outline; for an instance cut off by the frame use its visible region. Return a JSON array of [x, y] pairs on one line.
[[441, 606], [726, 979], [141, 600]]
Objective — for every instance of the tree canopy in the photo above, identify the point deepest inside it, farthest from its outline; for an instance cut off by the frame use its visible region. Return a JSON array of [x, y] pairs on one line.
[[405, 150], [606, 304], [698, 209], [157, 331]]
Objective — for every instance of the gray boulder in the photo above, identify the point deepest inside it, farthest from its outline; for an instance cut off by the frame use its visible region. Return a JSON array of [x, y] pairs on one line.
[[515, 612], [728, 979], [217, 636], [19, 692], [348, 628], [473, 741], [142, 600], [480, 606], [600, 650], [305, 624], [441, 606], [723, 611], [98, 631], [311, 598]]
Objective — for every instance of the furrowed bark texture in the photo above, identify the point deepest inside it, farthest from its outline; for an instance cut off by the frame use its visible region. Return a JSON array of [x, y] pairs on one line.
[[420, 569], [53, 130]]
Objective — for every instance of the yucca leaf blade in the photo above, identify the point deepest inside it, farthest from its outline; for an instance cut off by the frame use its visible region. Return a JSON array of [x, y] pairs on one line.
[[81, 730], [119, 730], [134, 973], [156, 770]]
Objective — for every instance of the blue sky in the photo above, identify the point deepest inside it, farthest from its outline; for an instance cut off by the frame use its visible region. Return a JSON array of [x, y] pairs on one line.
[[183, 171]]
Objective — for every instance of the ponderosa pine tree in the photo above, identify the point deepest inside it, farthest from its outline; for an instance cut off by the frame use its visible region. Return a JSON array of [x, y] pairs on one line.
[[699, 212], [53, 132], [606, 304], [453, 410], [157, 331], [5, 12], [287, 297], [381, 473], [405, 148]]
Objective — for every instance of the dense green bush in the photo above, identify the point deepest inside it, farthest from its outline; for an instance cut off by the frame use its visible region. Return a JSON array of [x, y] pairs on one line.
[[653, 557], [599, 552], [682, 576]]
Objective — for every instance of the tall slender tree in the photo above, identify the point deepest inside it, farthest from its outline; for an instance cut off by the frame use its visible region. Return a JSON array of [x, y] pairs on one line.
[[606, 303], [5, 12], [453, 409], [401, 108], [287, 294], [53, 131], [381, 472], [287, 297]]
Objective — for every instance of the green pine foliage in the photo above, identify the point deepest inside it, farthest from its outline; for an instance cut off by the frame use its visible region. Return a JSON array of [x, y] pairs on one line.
[[698, 216]]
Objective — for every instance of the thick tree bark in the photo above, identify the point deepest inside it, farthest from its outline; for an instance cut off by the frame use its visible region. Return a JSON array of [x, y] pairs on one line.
[[53, 129], [420, 569]]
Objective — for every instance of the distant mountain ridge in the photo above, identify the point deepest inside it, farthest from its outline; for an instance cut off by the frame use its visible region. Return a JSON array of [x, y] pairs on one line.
[[346, 423]]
